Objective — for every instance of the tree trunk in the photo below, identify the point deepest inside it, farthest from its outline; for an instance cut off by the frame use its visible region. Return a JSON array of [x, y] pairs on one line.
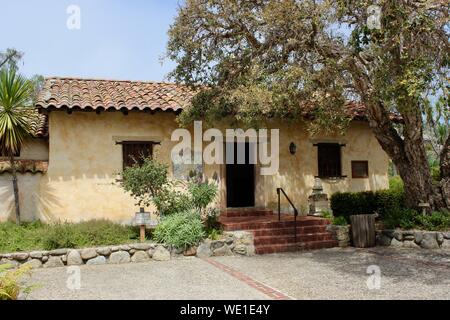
[[408, 155], [15, 188], [445, 172]]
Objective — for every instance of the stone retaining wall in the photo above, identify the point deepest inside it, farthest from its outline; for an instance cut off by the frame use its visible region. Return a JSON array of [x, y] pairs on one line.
[[414, 239], [231, 243], [341, 234]]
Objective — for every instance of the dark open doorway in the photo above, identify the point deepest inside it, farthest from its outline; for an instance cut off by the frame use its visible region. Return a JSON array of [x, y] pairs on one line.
[[240, 181]]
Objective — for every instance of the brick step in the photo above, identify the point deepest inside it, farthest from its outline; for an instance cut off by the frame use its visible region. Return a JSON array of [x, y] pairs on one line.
[[311, 245], [255, 225], [301, 238], [289, 231], [230, 213]]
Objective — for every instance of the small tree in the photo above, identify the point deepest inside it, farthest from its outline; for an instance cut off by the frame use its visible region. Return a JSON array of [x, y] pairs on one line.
[[145, 182], [149, 184], [16, 111]]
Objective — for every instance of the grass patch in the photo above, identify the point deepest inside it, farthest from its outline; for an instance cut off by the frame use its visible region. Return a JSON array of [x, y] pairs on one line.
[[40, 236]]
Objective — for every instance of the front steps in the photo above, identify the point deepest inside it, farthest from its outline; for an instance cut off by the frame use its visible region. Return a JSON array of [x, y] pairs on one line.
[[272, 236]]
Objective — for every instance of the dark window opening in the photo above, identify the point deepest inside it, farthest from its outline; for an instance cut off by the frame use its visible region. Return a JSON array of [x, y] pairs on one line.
[[135, 152], [329, 160], [360, 169]]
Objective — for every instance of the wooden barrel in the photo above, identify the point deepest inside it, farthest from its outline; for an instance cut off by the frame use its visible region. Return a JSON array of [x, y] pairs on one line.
[[363, 230]]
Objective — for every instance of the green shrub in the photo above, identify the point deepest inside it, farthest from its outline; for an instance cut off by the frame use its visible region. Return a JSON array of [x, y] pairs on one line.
[[202, 194], [172, 201], [389, 200], [181, 230], [396, 184], [145, 182], [400, 218], [436, 221], [368, 202], [149, 184], [353, 203], [340, 221]]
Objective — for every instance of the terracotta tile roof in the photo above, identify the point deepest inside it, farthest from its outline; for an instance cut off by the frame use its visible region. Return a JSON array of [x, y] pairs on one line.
[[40, 126], [91, 94], [97, 94], [358, 111], [23, 166]]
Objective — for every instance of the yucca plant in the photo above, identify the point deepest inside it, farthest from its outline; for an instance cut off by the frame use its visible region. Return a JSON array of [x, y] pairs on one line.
[[15, 120]]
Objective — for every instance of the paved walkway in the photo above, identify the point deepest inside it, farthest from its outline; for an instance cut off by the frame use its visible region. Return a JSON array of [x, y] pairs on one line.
[[322, 274]]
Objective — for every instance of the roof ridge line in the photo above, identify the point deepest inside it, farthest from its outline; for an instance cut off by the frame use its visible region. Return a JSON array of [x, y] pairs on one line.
[[111, 80]]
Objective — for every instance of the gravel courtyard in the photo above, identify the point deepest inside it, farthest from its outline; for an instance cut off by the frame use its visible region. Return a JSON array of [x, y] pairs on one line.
[[322, 274]]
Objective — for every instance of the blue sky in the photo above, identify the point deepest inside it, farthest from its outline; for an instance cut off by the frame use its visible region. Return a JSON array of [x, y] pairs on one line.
[[118, 39]]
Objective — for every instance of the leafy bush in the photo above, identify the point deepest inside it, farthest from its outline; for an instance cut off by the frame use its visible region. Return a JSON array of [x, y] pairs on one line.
[[181, 230], [411, 219], [368, 202], [202, 194], [436, 221], [149, 183], [171, 201], [400, 218], [146, 181], [10, 286], [340, 221]]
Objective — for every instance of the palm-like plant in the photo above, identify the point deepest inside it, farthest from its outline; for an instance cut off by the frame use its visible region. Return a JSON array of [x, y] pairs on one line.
[[15, 125]]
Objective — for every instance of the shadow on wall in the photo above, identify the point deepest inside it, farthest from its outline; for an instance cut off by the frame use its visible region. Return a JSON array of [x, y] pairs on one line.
[[6, 199], [34, 194], [45, 200]]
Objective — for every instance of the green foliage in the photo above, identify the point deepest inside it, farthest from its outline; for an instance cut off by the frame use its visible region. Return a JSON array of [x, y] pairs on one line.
[[396, 184], [400, 218], [390, 205], [212, 223], [340, 221], [290, 59], [436, 221], [327, 214], [410, 219], [39, 236], [91, 233], [354, 203], [214, 234], [27, 236], [202, 194], [172, 201], [10, 282], [181, 230], [146, 181], [149, 183], [15, 110]]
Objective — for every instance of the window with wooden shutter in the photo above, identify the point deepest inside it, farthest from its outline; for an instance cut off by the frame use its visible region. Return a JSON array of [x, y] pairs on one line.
[[135, 152], [360, 169], [329, 160]]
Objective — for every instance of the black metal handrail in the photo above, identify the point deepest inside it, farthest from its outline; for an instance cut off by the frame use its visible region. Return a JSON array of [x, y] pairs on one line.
[[279, 191]]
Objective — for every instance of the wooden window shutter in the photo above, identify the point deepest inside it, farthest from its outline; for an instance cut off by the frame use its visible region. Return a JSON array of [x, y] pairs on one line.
[[135, 152], [329, 160]]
